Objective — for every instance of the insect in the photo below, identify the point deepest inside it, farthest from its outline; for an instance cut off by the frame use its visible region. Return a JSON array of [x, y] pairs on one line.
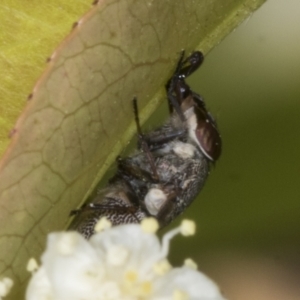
[[170, 167]]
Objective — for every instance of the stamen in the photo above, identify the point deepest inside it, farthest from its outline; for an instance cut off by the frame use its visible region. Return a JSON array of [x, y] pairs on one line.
[[131, 276], [146, 288], [66, 244], [188, 262], [162, 267], [165, 243], [187, 227], [149, 225], [103, 224], [32, 265]]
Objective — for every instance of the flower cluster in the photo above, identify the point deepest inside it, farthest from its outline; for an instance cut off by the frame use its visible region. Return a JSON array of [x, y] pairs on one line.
[[5, 287], [124, 262]]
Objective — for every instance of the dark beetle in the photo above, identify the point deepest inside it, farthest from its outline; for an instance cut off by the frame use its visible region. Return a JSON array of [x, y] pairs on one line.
[[197, 124], [170, 166]]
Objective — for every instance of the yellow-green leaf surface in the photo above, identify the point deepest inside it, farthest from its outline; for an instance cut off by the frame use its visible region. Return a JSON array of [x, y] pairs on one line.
[[29, 31], [79, 115]]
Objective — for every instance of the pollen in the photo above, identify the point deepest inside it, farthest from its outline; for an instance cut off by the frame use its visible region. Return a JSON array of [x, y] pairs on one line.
[[187, 227], [32, 265], [162, 267], [66, 244], [146, 288], [102, 224], [188, 262], [180, 295], [131, 276], [149, 225]]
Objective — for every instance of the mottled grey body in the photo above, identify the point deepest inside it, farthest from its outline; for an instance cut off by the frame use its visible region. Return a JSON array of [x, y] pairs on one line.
[[181, 179], [170, 166]]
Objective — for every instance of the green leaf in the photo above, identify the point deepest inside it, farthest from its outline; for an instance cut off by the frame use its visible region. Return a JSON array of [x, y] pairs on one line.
[[79, 116]]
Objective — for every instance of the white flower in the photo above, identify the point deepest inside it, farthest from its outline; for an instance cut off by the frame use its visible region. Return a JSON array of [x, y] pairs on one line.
[[5, 287], [125, 262]]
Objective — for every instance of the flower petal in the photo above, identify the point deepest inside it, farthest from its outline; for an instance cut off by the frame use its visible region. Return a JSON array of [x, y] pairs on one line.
[[72, 265], [189, 281]]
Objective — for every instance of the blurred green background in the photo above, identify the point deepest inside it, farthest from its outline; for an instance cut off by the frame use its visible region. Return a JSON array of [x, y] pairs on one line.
[[248, 215]]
